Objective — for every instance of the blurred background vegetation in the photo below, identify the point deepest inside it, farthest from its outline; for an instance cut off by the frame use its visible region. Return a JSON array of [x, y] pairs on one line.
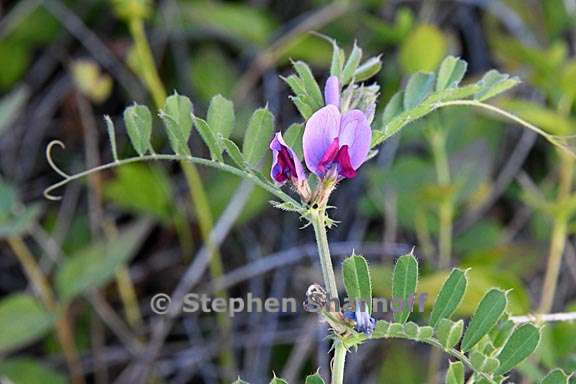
[[465, 188]]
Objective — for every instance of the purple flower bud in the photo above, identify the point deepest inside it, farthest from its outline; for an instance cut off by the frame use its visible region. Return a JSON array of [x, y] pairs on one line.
[[332, 92], [285, 164]]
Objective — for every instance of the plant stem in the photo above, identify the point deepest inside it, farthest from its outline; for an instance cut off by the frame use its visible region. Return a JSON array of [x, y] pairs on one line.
[[319, 224], [446, 207], [318, 219], [42, 288], [559, 235], [338, 363]]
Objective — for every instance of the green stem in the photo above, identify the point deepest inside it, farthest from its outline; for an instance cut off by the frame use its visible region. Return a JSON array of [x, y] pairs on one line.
[[319, 224], [268, 186], [559, 235], [338, 363], [446, 207], [318, 220]]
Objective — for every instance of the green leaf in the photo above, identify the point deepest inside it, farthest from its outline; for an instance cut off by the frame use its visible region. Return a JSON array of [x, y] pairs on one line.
[[138, 120], [404, 284], [95, 265], [449, 296], [177, 117], [142, 189], [20, 222], [449, 332], [314, 379], [485, 317], [423, 49], [111, 136], [293, 138], [455, 373], [351, 64], [494, 83], [394, 107], [309, 83], [425, 333], [337, 62], [519, 346], [556, 376], [242, 23], [234, 152], [368, 69], [10, 106], [278, 380], [220, 117], [26, 370], [212, 72], [210, 139], [478, 360], [418, 89], [356, 277], [451, 72], [23, 320], [500, 334], [257, 137], [411, 329]]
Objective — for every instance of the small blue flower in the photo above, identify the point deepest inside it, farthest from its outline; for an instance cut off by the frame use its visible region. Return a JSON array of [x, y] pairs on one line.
[[364, 322]]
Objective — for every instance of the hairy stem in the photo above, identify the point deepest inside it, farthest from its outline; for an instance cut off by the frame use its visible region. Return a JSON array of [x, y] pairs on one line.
[[338, 363], [318, 219], [63, 329], [319, 224]]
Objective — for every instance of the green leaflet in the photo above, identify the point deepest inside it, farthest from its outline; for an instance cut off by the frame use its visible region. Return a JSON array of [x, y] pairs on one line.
[[26, 370], [111, 136], [351, 65], [485, 317], [404, 283], [449, 332], [368, 69], [314, 379], [278, 380], [258, 135], [519, 346], [451, 72], [23, 320], [556, 376], [234, 152], [177, 117], [494, 83], [394, 107], [293, 138], [310, 85], [418, 88], [220, 116], [96, 265], [210, 138], [455, 373], [357, 279], [450, 296], [138, 120]]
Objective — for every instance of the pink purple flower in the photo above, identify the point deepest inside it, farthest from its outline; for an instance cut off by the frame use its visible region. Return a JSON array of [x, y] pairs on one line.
[[285, 163]]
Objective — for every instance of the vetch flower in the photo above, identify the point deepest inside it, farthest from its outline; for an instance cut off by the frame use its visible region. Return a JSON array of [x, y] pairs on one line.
[[364, 322], [287, 167], [336, 143]]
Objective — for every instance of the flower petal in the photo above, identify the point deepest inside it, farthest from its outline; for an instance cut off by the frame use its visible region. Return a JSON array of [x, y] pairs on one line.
[[332, 91], [345, 168], [320, 131], [355, 132], [285, 162]]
